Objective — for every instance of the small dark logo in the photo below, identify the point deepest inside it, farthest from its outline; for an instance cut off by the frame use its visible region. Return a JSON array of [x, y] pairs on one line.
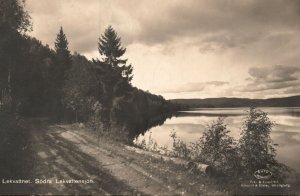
[[262, 174]]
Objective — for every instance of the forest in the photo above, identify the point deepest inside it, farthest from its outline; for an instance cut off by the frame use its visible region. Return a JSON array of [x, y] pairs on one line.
[[38, 81]]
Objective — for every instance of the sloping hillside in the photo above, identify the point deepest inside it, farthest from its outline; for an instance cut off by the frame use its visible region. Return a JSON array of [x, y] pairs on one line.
[[224, 102]]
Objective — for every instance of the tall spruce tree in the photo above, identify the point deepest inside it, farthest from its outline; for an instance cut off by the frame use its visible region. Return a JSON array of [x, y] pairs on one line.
[[63, 56], [110, 47], [59, 73]]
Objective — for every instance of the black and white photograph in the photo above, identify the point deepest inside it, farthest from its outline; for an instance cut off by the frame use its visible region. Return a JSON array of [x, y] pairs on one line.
[[150, 97]]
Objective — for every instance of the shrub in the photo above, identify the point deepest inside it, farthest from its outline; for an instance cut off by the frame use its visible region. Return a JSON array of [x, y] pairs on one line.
[[255, 145], [150, 144], [217, 148], [180, 148]]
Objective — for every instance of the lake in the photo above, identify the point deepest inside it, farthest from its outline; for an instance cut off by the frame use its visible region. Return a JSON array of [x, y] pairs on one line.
[[189, 126]]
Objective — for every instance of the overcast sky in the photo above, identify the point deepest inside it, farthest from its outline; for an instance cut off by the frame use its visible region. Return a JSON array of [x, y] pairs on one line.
[[188, 48]]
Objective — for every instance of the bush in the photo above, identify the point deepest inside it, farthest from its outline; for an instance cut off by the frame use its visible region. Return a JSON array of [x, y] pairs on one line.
[[217, 148], [255, 145], [180, 148]]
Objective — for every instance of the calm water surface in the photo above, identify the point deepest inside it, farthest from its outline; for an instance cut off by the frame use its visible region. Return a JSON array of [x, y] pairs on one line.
[[189, 126]]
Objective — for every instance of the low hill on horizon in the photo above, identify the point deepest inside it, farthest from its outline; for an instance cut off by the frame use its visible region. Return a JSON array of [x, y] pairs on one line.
[[224, 102]]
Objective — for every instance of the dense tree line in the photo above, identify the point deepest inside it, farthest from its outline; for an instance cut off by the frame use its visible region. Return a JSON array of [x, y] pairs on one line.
[[14, 74], [40, 81]]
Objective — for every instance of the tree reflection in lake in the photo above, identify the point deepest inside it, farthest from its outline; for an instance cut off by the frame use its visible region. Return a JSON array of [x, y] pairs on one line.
[[143, 125]]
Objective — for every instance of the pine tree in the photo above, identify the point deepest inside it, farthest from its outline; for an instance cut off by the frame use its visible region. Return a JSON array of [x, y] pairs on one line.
[[61, 43], [62, 64], [61, 48], [110, 47], [63, 57]]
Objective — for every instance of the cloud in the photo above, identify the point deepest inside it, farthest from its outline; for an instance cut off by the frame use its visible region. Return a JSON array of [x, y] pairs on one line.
[[210, 25], [216, 83], [276, 73], [195, 87], [273, 77], [228, 23], [294, 90]]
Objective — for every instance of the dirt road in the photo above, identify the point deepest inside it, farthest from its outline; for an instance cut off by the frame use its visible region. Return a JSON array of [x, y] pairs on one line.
[[67, 159], [63, 154]]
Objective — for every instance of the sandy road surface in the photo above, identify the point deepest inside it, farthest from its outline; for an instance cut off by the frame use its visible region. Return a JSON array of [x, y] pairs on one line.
[[61, 153]]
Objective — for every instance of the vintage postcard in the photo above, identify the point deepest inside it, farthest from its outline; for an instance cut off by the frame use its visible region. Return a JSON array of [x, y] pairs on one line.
[[149, 97]]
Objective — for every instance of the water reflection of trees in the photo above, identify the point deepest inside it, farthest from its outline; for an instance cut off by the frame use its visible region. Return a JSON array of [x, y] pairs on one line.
[[207, 114], [295, 112], [227, 112], [142, 125]]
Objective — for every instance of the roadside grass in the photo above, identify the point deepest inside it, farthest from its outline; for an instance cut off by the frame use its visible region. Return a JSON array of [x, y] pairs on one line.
[[116, 133]]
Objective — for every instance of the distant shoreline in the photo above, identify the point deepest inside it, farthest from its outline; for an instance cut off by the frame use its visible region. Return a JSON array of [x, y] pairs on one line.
[[224, 102]]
